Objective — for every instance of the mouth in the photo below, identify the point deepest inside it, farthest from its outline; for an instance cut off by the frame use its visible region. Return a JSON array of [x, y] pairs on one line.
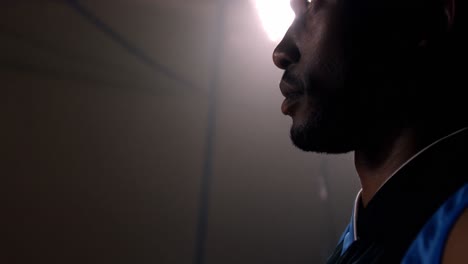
[[292, 95]]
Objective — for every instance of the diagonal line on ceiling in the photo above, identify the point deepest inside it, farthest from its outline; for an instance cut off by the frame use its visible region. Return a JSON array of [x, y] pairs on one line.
[[126, 44]]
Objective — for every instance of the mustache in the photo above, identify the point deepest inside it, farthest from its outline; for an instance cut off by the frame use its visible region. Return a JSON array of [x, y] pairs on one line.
[[292, 79], [315, 79]]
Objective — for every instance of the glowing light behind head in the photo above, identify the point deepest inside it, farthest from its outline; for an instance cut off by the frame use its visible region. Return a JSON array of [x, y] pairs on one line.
[[276, 17]]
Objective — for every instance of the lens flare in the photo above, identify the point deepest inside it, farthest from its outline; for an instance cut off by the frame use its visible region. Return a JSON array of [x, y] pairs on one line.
[[276, 16]]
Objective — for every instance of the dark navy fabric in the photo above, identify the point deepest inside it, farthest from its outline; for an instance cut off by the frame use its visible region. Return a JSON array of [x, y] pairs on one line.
[[387, 227], [429, 245]]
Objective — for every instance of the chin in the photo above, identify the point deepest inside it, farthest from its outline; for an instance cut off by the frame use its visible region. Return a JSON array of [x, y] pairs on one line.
[[320, 144], [320, 136]]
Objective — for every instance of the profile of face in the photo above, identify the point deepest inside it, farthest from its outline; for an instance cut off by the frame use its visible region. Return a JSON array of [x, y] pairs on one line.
[[348, 67]]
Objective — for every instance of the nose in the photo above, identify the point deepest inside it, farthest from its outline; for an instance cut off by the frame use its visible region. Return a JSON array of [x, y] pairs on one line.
[[286, 53]]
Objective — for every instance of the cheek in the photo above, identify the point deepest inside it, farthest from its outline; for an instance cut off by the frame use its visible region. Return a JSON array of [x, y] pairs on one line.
[[325, 71], [305, 107], [305, 111], [309, 110]]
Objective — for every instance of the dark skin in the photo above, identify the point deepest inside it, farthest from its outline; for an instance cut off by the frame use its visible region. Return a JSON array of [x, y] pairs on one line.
[[349, 84], [342, 87]]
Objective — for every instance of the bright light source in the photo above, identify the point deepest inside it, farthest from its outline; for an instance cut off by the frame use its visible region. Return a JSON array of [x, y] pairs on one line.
[[276, 17]]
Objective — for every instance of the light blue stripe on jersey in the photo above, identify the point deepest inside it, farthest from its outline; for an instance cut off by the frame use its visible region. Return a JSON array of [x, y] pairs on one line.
[[429, 244]]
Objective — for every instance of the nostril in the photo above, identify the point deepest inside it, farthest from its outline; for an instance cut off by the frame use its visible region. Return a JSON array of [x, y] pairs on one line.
[[281, 60]]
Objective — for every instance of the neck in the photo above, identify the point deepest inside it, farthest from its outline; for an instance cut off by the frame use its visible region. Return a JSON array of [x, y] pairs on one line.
[[379, 158]]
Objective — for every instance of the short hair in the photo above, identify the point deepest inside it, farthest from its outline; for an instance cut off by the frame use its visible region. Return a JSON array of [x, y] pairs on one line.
[[437, 92]]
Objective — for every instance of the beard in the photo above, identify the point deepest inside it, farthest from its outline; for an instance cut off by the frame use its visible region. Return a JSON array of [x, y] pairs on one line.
[[350, 104], [324, 131], [341, 122], [320, 140]]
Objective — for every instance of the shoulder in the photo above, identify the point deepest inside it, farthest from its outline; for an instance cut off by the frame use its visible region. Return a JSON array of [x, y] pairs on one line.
[[444, 237], [456, 250]]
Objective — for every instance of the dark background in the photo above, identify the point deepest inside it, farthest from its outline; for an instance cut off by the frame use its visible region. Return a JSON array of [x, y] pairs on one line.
[[124, 121]]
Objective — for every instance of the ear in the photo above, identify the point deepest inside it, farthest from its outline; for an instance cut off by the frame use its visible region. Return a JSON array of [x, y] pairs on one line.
[[449, 6]]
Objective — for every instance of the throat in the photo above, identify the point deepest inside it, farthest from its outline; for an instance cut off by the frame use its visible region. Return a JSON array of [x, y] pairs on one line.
[[379, 159]]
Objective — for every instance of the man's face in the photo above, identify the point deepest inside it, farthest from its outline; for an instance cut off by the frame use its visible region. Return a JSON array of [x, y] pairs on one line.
[[339, 80]]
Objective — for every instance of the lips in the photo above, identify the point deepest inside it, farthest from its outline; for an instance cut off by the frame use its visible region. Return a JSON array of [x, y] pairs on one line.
[[292, 94], [289, 90]]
